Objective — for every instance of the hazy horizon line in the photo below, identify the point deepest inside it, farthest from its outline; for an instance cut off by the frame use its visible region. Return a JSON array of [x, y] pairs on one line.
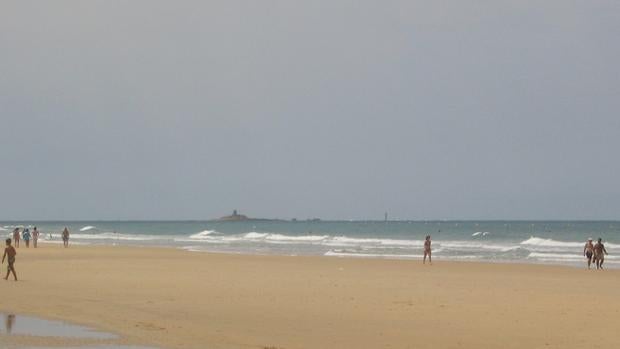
[[315, 219]]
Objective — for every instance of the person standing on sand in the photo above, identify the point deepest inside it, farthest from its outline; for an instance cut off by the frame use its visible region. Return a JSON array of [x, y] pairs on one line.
[[16, 236], [599, 253], [26, 237], [35, 237], [65, 237], [10, 320], [588, 251], [10, 251], [427, 250]]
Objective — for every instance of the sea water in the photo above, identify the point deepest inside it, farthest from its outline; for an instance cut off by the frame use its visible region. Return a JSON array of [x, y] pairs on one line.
[[32, 326], [555, 242], [18, 325]]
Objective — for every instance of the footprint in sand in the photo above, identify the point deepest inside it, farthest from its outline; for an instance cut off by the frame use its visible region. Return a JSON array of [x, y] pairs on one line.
[[149, 327]]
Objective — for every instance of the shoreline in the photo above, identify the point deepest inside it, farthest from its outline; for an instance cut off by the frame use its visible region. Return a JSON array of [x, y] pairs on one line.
[[514, 242], [441, 258], [173, 298]]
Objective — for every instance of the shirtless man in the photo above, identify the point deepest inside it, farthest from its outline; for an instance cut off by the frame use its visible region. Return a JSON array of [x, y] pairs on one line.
[[588, 251], [599, 253], [65, 237], [427, 250]]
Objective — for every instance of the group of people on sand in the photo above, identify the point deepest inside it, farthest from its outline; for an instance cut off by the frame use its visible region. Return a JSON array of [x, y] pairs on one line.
[[595, 253], [26, 235]]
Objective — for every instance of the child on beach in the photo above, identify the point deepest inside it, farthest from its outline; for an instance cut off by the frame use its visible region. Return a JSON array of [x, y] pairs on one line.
[[10, 251], [26, 237], [588, 251]]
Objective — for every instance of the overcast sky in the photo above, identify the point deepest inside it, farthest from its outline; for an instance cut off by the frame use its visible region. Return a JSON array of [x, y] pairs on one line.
[[335, 109]]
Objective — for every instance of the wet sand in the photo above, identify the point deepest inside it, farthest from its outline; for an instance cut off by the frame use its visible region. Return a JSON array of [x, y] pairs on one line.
[[178, 299]]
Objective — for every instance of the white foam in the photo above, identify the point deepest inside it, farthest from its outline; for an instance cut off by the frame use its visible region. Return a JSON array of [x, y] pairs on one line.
[[206, 239], [283, 238], [564, 256], [536, 241], [467, 245], [337, 253], [58, 242], [555, 256], [307, 238], [476, 233], [346, 241], [468, 257], [255, 235], [116, 236], [202, 234], [371, 255], [88, 227]]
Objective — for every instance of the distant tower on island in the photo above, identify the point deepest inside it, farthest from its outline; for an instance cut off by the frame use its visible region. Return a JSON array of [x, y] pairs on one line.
[[386, 217], [235, 217]]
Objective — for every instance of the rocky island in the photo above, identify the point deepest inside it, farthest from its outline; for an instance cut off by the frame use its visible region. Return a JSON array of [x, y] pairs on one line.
[[236, 217]]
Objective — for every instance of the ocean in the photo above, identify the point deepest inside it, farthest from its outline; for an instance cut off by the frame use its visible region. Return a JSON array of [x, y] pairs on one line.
[[549, 242]]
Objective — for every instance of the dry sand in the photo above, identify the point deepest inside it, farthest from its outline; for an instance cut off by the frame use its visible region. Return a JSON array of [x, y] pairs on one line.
[[178, 299]]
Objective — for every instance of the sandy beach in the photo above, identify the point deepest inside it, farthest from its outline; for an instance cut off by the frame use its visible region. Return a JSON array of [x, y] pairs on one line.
[[178, 299]]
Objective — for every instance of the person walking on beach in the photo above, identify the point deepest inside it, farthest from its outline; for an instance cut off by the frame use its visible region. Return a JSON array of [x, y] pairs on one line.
[[10, 252], [16, 236], [588, 251], [427, 250], [599, 253], [65, 237], [35, 237], [26, 237]]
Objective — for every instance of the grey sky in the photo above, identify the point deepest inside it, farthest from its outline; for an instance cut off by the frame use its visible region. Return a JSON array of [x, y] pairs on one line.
[[337, 109]]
